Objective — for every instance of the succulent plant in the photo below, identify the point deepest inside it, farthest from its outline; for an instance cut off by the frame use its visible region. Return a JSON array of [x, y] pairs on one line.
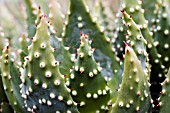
[[97, 57], [132, 99], [165, 95], [87, 82]]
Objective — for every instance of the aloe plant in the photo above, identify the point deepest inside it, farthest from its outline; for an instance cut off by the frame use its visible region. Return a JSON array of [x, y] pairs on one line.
[[87, 81], [132, 99], [92, 59]]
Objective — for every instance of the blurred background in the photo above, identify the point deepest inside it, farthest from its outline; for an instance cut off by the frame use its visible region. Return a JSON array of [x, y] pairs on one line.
[[13, 14]]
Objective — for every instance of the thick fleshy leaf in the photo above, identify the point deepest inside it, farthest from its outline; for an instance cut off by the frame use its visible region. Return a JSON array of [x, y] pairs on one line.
[[43, 85], [88, 84], [133, 95]]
